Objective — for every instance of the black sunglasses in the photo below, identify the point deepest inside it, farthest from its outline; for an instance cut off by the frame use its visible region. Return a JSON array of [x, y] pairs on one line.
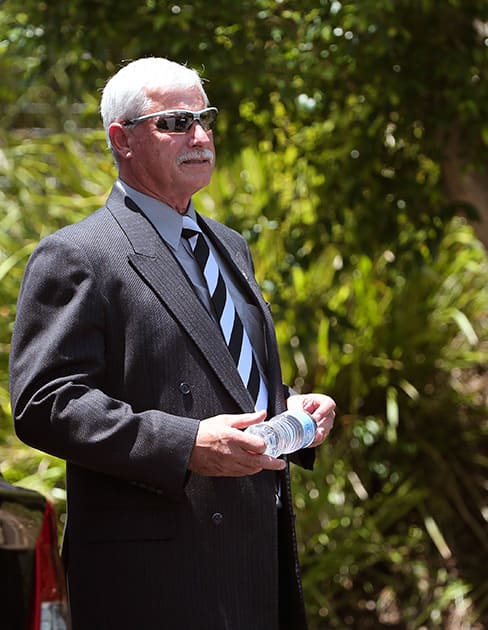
[[179, 120]]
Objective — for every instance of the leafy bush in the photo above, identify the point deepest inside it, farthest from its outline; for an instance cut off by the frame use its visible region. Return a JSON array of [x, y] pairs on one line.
[[391, 520]]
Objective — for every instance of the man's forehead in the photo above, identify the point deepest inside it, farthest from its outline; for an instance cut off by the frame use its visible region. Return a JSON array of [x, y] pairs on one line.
[[175, 98]]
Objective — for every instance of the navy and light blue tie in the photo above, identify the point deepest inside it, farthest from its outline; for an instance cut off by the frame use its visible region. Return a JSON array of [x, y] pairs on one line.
[[233, 330]]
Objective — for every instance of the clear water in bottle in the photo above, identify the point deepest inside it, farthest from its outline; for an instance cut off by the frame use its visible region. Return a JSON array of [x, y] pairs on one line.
[[285, 433]]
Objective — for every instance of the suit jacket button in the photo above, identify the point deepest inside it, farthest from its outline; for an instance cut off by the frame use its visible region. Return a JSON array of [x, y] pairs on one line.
[[217, 518], [185, 389]]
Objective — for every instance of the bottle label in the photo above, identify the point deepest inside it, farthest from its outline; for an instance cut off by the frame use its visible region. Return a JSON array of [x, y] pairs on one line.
[[287, 432], [308, 424]]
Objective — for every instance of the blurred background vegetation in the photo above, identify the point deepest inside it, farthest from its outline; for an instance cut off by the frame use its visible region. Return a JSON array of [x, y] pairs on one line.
[[352, 154]]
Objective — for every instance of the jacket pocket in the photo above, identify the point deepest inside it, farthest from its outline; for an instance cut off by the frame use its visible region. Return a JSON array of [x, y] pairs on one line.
[[126, 525]]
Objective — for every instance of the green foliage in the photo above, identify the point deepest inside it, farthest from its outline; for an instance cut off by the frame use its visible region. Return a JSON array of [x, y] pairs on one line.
[[393, 502], [335, 121]]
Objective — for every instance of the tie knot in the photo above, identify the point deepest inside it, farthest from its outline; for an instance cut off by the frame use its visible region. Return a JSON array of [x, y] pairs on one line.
[[190, 228], [188, 233]]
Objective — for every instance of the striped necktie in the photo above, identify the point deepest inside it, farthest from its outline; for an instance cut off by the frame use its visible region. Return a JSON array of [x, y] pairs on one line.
[[233, 330]]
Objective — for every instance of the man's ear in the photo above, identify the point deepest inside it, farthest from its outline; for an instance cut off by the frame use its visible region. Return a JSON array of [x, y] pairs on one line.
[[120, 141]]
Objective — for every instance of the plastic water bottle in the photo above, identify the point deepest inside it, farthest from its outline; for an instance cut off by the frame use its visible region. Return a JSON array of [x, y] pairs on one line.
[[285, 433]]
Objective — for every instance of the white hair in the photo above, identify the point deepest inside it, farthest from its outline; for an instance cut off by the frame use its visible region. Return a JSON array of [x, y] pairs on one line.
[[124, 95]]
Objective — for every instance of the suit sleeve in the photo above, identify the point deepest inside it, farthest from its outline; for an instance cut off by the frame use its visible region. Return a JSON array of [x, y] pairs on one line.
[[57, 372]]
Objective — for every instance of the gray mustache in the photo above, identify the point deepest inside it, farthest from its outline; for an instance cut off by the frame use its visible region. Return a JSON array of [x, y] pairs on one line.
[[202, 154]]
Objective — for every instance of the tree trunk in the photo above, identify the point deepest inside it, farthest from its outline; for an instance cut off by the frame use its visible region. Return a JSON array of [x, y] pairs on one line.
[[466, 186]]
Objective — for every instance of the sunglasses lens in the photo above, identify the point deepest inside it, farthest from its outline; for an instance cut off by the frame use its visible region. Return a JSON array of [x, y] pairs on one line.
[[208, 119], [183, 122], [172, 123]]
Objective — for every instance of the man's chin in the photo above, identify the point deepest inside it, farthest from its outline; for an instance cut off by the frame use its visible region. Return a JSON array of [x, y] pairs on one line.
[[201, 172], [203, 165]]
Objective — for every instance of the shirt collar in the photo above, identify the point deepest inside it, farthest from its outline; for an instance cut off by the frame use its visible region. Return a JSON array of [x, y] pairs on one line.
[[167, 221]]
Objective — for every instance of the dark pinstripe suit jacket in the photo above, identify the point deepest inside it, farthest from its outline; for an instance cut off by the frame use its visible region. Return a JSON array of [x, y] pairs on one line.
[[114, 361]]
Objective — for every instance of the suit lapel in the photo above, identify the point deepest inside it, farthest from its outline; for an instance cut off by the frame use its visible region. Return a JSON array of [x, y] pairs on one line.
[[158, 267]]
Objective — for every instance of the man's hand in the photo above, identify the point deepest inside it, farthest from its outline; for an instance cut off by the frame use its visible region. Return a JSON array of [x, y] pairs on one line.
[[320, 407], [222, 449]]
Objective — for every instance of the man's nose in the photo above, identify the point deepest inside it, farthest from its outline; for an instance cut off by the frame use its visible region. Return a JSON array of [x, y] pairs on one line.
[[198, 133]]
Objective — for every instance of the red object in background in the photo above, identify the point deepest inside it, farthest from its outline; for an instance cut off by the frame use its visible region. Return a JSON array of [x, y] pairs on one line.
[[49, 597]]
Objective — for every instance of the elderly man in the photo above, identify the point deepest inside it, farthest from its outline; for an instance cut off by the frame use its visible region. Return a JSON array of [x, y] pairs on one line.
[[125, 364]]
